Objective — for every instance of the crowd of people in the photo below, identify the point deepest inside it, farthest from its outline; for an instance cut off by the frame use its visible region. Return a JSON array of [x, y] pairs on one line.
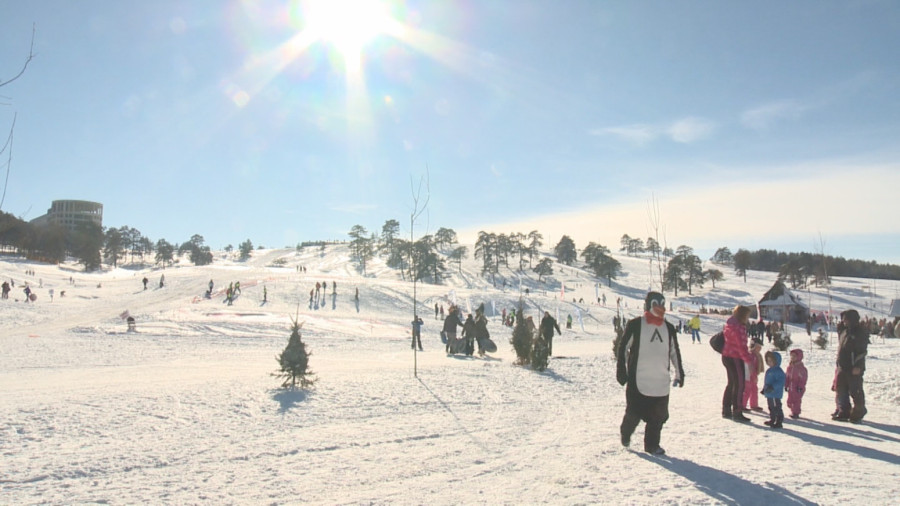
[[648, 359]]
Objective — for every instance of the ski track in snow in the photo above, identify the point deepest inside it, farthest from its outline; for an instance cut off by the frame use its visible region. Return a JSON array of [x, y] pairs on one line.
[[185, 410]]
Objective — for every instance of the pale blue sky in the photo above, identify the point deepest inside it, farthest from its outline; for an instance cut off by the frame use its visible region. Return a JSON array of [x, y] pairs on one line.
[[754, 124]]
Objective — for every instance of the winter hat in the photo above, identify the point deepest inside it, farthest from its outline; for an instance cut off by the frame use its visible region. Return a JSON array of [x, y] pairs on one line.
[[654, 297], [797, 353], [851, 314]]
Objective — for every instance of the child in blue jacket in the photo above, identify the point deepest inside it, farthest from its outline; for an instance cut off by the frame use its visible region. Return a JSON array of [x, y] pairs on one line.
[[773, 389]]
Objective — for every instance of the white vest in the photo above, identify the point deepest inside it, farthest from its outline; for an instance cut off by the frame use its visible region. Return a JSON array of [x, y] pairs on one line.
[[652, 374]]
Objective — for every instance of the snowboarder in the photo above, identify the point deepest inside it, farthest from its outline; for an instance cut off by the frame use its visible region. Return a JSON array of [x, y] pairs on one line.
[[647, 352]]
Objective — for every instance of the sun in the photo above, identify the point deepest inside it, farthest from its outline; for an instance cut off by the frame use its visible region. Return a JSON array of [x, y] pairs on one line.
[[347, 24]]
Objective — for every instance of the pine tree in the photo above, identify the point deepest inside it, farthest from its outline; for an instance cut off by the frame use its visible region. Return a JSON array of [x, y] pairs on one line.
[[294, 361], [522, 337], [540, 353]]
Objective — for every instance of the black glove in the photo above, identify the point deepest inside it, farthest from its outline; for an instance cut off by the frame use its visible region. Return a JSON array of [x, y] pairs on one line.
[[763, 391], [678, 382], [621, 376]]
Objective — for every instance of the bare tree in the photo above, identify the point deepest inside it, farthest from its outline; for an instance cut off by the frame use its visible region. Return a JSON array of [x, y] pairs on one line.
[[9, 140], [656, 253], [417, 210]]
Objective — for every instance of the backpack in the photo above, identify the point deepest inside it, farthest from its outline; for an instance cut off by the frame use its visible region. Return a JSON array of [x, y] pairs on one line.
[[717, 341]]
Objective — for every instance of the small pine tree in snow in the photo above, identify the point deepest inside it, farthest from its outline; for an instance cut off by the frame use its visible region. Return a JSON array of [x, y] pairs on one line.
[[294, 361], [522, 337], [540, 354]]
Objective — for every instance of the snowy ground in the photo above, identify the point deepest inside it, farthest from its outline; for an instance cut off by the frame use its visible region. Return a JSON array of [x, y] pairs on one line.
[[185, 410]]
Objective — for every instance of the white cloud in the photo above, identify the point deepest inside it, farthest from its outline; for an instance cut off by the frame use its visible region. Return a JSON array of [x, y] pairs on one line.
[[635, 134], [685, 130], [762, 117], [690, 130]]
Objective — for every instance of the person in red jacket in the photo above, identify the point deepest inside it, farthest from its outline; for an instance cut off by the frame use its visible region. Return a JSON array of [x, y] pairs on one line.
[[795, 382], [736, 359]]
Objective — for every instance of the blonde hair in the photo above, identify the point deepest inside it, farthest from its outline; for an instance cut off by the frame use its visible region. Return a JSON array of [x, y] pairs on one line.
[[742, 313]]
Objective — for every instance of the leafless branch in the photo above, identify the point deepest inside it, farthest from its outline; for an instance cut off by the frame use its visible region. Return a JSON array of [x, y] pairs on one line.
[[27, 60], [8, 146]]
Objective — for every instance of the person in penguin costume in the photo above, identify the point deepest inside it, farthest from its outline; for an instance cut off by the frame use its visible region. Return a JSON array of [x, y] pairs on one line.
[[646, 356]]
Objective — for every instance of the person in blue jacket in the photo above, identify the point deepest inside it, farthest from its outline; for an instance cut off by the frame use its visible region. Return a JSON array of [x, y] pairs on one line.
[[773, 389]]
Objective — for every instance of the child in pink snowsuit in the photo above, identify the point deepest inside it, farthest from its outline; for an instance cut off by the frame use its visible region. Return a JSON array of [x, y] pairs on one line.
[[795, 382], [755, 366]]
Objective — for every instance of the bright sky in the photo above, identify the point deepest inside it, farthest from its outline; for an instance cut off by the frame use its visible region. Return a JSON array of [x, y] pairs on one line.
[[752, 124]]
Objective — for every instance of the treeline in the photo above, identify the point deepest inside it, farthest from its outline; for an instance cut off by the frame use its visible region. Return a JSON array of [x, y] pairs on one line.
[[798, 269], [92, 245], [420, 260]]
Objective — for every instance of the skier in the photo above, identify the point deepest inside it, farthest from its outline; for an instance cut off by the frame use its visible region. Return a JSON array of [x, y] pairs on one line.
[[647, 352]]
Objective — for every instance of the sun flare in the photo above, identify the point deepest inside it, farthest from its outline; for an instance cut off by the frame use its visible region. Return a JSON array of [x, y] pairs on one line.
[[347, 24]]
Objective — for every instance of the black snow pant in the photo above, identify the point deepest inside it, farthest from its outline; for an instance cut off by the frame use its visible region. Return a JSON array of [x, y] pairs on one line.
[[850, 386], [654, 411], [417, 339], [733, 397]]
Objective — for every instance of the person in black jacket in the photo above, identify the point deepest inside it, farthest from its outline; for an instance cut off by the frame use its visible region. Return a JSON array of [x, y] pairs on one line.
[[646, 354], [548, 323], [450, 324], [853, 345]]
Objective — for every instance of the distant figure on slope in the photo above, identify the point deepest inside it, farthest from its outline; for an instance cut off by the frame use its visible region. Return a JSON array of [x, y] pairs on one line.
[[468, 333], [417, 332], [145, 281], [694, 324], [647, 353], [450, 324]]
